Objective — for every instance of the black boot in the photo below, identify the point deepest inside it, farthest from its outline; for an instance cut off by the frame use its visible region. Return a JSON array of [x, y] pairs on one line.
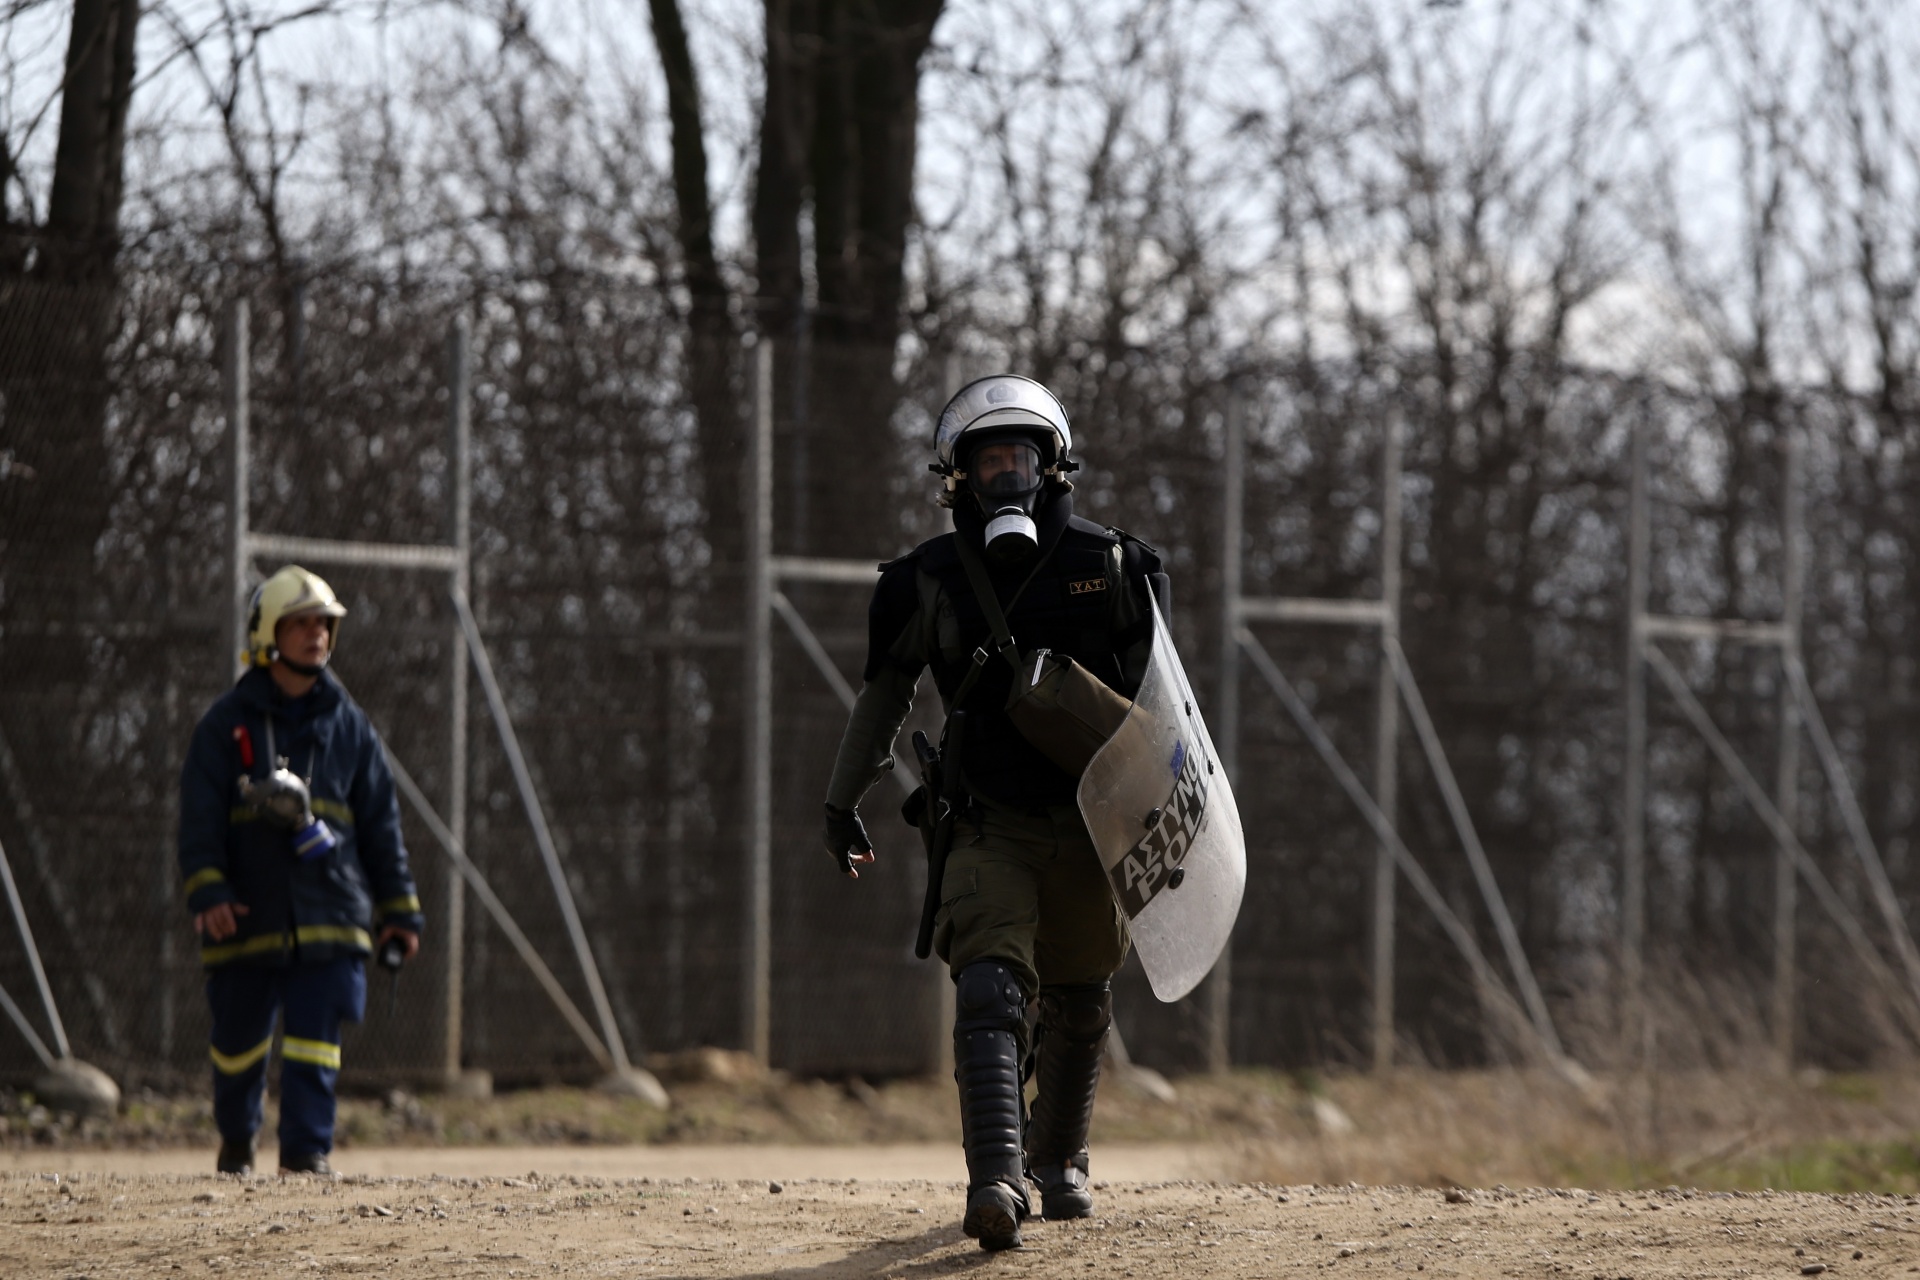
[[1071, 1040], [234, 1157], [990, 1016], [314, 1162]]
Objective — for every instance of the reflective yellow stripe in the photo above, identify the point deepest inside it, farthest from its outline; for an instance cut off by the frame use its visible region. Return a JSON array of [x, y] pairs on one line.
[[341, 933], [242, 813], [204, 877], [251, 947], [306, 934], [409, 905], [317, 1052], [334, 811], [233, 1064]]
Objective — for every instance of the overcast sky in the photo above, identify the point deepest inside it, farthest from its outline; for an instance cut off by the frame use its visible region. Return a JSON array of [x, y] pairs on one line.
[[1227, 69]]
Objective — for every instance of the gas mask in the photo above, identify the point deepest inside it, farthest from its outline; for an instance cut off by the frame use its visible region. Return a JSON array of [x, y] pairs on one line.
[[283, 799], [1004, 478]]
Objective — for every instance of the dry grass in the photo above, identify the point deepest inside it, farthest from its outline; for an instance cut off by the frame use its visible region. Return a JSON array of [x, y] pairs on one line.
[[1715, 1130]]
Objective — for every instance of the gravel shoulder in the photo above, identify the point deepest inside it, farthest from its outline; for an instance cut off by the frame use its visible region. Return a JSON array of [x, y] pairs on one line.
[[139, 1226], [905, 1161]]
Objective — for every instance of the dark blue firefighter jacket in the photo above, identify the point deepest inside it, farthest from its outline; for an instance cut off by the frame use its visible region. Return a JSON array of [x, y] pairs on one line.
[[297, 911]]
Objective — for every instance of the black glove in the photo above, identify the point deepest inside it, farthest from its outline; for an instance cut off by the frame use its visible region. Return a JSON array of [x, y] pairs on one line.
[[845, 834]]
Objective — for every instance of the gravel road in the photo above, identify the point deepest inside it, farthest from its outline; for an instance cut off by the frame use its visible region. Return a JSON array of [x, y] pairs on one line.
[[140, 1225]]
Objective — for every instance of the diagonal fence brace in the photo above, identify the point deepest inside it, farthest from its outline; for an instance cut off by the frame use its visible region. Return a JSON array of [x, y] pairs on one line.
[[443, 835], [1856, 822], [903, 772], [1487, 980], [33, 960], [498, 910], [543, 837], [1470, 841], [33, 1039], [1756, 796]]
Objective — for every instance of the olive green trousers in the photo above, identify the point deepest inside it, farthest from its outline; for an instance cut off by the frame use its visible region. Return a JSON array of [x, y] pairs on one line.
[[1026, 888]]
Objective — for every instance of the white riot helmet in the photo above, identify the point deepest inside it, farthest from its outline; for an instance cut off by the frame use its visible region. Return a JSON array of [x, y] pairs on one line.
[[1003, 439]]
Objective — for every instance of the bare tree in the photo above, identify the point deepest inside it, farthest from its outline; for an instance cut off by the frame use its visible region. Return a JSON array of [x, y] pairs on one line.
[[56, 306]]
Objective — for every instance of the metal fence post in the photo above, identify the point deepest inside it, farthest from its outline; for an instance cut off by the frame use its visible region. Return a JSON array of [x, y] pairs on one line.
[[460, 531], [1786, 884], [1233, 525], [1386, 744], [234, 391], [1233, 518], [940, 1043], [757, 960], [1633, 871]]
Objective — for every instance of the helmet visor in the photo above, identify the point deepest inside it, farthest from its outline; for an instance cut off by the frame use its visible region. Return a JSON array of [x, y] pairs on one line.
[[996, 403], [1004, 469]]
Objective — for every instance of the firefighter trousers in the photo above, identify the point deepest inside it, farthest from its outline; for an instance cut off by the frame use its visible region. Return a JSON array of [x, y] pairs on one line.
[[314, 1000]]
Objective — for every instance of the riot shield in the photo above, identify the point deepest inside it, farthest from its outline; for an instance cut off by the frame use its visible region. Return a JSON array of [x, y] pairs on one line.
[[1163, 819]]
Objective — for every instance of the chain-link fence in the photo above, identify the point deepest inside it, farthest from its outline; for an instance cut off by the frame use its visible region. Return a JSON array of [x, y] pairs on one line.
[[611, 606]]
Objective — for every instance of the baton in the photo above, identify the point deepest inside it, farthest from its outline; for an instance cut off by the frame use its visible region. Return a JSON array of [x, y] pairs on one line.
[[948, 763]]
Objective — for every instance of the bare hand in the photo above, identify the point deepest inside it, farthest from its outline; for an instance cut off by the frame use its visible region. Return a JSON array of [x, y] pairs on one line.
[[217, 922], [408, 938]]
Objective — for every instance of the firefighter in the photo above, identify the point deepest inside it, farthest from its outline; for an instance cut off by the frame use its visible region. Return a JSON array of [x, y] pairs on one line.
[[292, 858]]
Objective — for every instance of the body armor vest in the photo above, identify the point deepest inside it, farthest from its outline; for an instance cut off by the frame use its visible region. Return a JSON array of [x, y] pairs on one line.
[[1066, 608]]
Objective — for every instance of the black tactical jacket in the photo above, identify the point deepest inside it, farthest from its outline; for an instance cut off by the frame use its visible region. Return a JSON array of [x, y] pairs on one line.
[[1090, 599]]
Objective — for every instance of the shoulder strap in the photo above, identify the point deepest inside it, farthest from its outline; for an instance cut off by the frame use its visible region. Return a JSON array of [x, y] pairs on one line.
[[990, 600], [990, 605]]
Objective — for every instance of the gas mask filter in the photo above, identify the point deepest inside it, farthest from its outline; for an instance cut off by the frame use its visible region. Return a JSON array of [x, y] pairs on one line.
[[1004, 477]]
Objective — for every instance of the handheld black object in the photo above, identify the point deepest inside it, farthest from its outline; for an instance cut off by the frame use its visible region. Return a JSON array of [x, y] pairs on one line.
[[393, 954], [940, 770]]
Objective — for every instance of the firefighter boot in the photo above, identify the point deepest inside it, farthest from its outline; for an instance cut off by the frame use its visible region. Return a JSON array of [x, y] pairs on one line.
[[1070, 1042], [235, 1157], [314, 1162], [991, 1016]]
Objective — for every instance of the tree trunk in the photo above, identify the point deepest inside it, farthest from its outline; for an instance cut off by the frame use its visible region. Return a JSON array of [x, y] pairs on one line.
[[865, 123], [56, 313]]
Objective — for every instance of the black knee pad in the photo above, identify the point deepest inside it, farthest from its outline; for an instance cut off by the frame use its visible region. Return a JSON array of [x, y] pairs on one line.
[[987, 997], [1080, 1011]]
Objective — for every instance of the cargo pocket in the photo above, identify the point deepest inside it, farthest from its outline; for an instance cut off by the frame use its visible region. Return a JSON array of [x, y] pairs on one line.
[[959, 883]]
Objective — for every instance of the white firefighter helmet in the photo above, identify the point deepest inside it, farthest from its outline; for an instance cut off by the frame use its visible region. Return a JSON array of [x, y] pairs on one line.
[[290, 591]]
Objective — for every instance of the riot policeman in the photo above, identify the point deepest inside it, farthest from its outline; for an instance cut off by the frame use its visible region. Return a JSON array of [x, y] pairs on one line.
[[1025, 914]]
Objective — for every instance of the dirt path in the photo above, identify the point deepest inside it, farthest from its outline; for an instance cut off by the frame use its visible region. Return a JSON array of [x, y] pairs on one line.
[[137, 1226], [902, 1161]]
